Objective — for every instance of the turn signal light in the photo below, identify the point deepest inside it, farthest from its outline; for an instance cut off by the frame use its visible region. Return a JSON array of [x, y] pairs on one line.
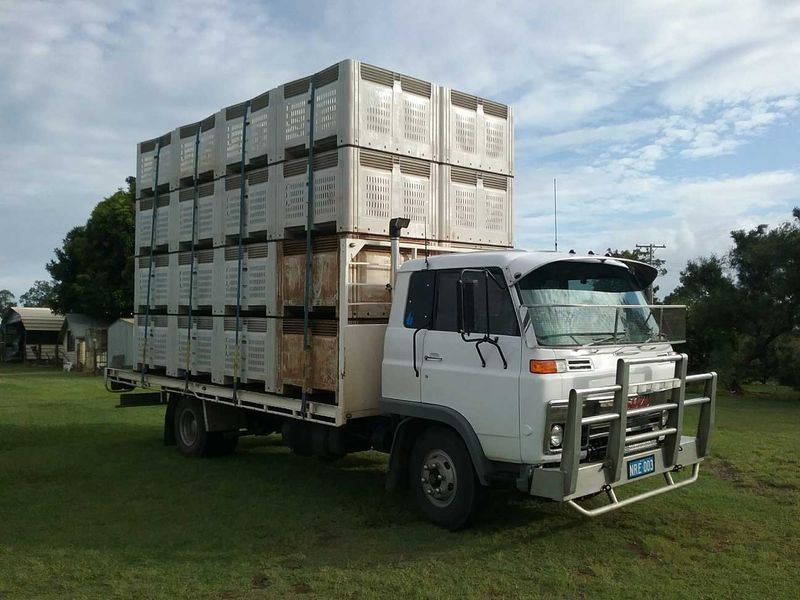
[[546, 367]]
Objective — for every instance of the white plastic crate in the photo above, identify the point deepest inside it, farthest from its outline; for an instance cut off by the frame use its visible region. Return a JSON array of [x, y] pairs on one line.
[[216, 279], [260, 136], [260, 148], [206, 223], [231, 191], [258, 278], [159, 278], [144, 221], [259, 205], [360, 191], [187, 150], [358, 104], [208, 219], [255, 362], [210, 139], [178, 336], [203, 148], [477, 133], [181, 219], [260, 214], [205, 330], [154, 354], [181, 332], [177, 345], [203, 294], [180, 280], [477, 207], [166, 149], [230, 124]]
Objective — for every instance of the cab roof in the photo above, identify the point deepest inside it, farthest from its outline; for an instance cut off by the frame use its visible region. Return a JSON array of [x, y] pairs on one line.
[[515, 264]]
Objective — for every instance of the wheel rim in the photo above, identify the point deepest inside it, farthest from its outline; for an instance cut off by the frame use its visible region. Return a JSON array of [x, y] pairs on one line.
[[439, 478], [188, 428]]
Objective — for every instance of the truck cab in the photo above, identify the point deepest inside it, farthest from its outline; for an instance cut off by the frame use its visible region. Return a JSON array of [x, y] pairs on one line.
[[549, 370]]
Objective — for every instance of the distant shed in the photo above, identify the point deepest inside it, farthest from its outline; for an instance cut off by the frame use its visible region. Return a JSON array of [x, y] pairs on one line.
[[30, 334], [83, 341], [120, 343]]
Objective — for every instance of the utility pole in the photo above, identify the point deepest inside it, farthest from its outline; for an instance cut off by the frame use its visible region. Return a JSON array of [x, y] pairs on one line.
[[651, 248]]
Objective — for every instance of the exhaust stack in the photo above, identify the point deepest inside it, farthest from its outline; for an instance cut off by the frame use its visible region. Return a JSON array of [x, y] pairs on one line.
[[395, 226]]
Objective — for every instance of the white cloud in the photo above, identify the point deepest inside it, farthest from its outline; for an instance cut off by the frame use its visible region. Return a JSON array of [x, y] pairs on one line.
[[599, 209], [618, 89]]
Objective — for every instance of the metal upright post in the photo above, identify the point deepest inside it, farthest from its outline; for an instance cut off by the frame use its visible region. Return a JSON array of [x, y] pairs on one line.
[[153, 224], [616, 433], [309, 257], [242, 196], [672, 444], [191, 264]]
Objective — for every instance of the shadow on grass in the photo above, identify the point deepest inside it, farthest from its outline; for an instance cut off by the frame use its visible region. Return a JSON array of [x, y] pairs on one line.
[[116, 488]]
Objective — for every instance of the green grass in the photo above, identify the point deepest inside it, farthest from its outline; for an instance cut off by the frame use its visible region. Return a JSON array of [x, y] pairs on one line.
[[92, 505]]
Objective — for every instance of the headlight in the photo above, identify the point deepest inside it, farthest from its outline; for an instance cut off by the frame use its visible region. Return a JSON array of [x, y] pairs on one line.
[[556, 436]]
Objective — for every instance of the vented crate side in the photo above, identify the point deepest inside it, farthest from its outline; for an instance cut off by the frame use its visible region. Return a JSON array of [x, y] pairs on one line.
[[476, 133], [358, 104], [166, 149], [476, 207], [358, 191]]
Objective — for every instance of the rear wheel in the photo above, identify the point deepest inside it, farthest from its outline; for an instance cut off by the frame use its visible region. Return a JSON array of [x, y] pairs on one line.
[[443, 478], [190, 431], [191, 435]]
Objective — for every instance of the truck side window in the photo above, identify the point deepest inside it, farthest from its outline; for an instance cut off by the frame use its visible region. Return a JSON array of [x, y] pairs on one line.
[[419, 305], [503, 318]]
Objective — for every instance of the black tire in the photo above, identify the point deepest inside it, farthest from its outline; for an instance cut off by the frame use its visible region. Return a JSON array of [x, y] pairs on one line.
[[443, 478], [191, 436]]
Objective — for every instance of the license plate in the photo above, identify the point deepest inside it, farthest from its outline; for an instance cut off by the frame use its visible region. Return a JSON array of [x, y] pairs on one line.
[[641, 466]]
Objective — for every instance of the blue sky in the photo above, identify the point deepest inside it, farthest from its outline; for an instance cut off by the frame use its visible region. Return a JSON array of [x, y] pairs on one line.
[[664, 122]]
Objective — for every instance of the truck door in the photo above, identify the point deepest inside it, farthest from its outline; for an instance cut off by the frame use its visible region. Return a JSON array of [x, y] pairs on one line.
[[451, 370], [402, 351]]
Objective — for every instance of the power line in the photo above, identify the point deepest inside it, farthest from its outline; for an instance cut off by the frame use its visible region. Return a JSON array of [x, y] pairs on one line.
[[651, 248]]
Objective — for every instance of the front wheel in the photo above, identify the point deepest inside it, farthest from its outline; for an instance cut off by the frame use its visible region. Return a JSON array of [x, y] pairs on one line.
[[443, 478]]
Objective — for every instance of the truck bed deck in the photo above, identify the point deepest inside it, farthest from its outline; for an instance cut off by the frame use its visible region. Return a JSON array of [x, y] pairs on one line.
[[285, 406]]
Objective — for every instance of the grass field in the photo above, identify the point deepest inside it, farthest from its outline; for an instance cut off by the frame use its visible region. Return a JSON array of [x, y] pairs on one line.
[[93, 506]]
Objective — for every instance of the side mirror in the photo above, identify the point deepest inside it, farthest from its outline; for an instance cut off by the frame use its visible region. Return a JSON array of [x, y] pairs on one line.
[[467, 290]]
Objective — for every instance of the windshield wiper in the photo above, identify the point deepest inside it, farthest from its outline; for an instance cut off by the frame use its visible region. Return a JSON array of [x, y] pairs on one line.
[[612, 337], [541, 338]]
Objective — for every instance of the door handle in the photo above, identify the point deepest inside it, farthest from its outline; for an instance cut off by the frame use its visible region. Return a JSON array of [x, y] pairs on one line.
[[432, 356]]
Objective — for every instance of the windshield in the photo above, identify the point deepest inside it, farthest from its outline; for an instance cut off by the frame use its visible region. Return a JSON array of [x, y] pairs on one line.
[[580, 303]]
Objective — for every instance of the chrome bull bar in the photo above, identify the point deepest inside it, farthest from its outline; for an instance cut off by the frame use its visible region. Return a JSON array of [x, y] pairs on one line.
[[573, 480]]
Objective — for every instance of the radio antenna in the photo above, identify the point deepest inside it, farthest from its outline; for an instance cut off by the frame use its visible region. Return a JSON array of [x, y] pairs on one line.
[[427, 264], [555, 215]]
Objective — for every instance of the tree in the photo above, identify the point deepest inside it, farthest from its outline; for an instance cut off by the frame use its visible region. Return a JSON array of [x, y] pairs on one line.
[[6, 301], [641, 255], [93, 270], [709, 293], [787, 361], [40, 295], [767, 265], [744, 310]]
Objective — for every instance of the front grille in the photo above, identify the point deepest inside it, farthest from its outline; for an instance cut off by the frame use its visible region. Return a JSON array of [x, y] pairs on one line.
[[579, 364], [594, 439]]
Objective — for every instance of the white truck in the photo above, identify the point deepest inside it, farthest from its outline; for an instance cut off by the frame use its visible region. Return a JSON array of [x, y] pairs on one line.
[[544, 371]]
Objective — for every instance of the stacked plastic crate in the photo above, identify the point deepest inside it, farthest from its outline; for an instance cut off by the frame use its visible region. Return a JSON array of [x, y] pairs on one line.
[[223, 211]]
